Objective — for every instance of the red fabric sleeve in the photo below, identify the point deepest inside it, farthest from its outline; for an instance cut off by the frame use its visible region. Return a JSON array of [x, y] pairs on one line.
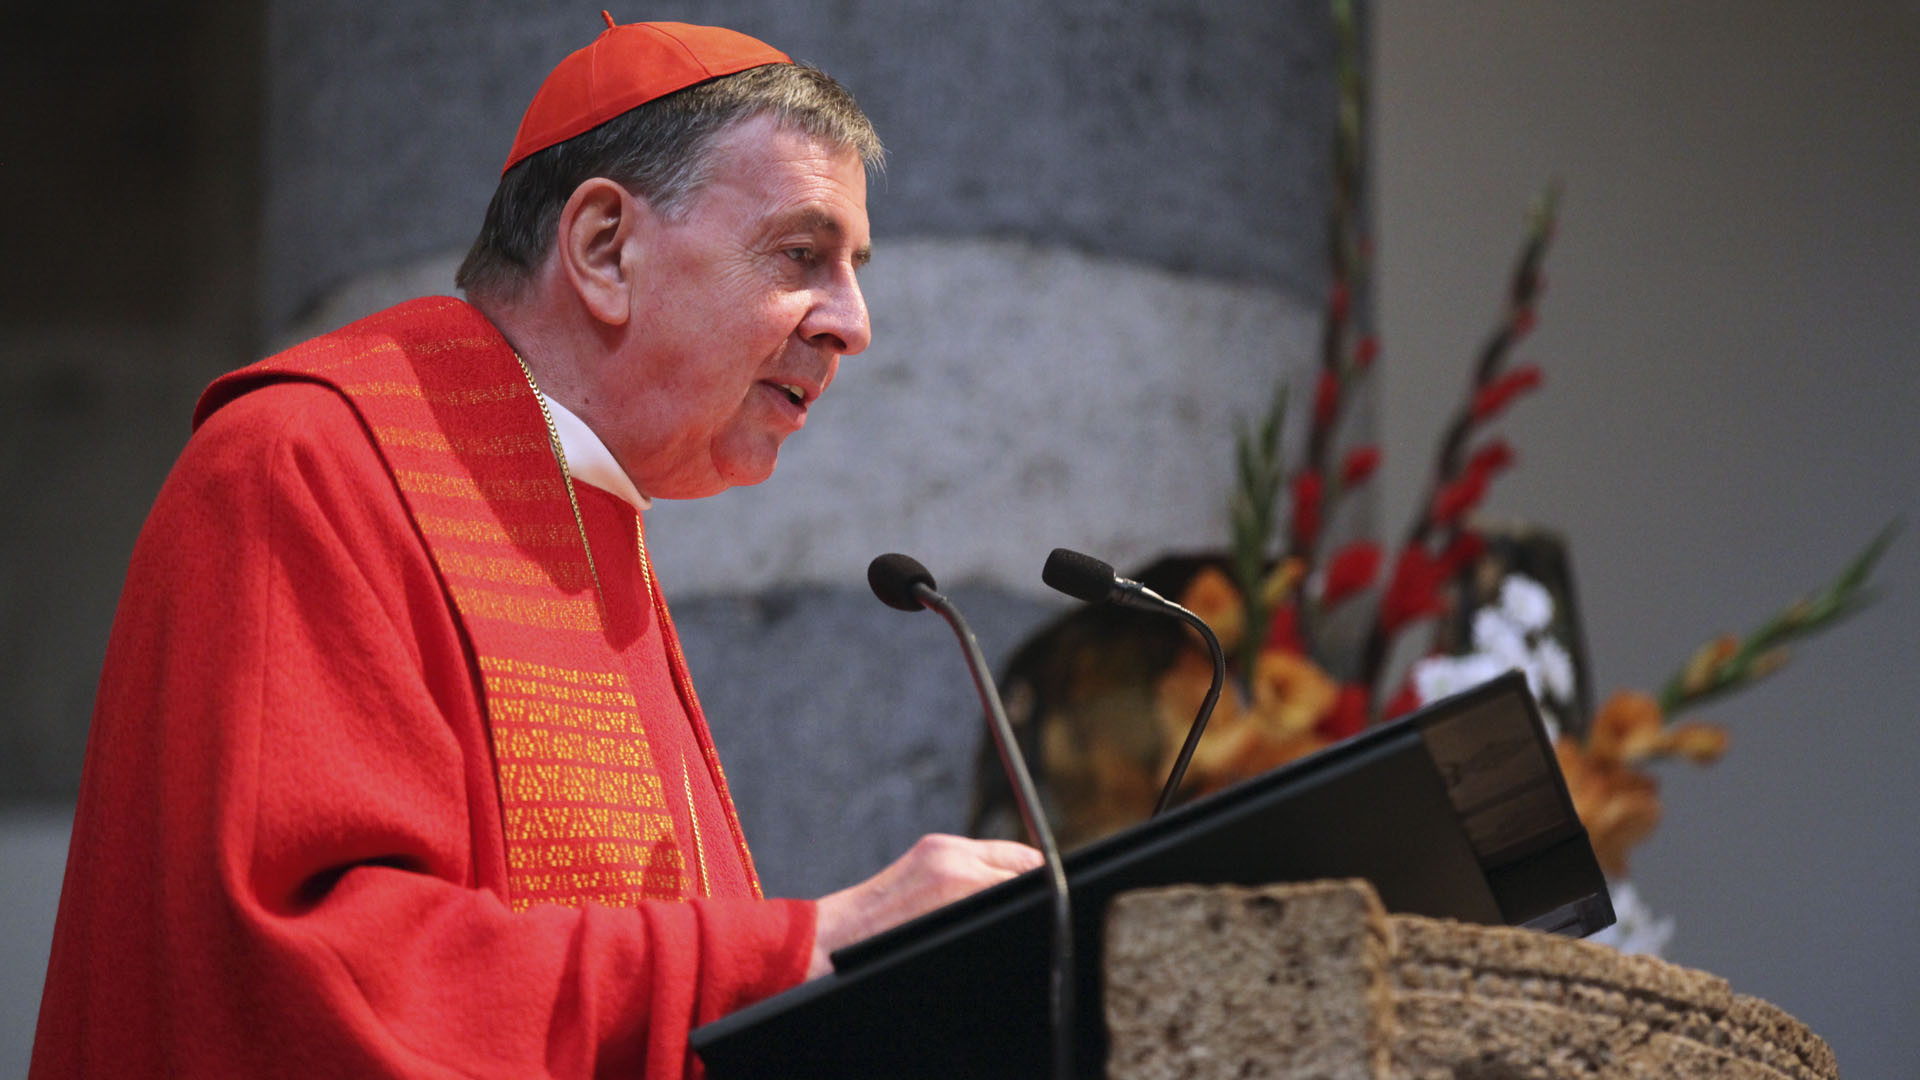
[[287, 858]]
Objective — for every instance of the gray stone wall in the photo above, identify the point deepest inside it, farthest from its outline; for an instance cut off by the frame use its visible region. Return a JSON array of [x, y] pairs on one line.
[[1192, 137]]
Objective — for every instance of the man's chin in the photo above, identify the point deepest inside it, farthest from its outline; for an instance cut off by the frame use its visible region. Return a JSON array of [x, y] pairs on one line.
[[741, 474]]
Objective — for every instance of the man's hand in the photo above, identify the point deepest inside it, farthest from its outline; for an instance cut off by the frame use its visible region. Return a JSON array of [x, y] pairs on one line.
[[936, 870]]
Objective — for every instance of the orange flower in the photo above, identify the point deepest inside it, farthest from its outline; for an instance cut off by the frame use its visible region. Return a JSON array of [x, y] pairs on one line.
[[1184, 686], [1212, 596], [1244, 738], [1625, 727], [1631, 729], [1178, 698], [1290, 694], [1701, 744], [1618, 805], [1705, 663]]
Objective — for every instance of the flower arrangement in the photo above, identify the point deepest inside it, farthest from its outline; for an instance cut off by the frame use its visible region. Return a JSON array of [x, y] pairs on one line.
[[1329, 634], [1279, 604]]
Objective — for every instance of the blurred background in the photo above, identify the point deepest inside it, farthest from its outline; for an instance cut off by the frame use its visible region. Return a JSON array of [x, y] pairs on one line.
[[1099, 242]]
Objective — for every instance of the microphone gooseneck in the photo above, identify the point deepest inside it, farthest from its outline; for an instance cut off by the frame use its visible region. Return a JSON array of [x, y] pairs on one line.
[[1084, 577], [901, 582]]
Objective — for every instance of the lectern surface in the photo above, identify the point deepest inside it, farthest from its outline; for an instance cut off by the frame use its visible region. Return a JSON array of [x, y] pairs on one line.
[[1458, 811]]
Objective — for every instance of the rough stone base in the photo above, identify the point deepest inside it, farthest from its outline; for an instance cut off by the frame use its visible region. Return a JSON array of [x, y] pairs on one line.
[[1317, 981]]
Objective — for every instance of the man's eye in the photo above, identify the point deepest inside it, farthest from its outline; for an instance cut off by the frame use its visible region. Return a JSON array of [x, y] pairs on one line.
[[800, 254]]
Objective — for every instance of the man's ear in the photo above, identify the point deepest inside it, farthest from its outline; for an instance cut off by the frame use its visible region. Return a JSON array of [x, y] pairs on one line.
[[596, 224]]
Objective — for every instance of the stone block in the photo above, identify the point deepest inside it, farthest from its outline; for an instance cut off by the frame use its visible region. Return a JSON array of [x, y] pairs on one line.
[[1316, 981]]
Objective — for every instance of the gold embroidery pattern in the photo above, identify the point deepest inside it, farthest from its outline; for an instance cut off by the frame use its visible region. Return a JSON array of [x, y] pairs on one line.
[[453, 345], [610, 888], [605, 788], [593, 855], [548, 745], [487, 532], [579, 787], [465, 487], [618, 698], [568, 575], [535, 611], [571, 825], [488, 395], [324, 356], [410, 439], [533, 670]]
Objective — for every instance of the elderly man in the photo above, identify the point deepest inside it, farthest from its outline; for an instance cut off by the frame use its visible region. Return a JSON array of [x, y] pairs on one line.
[[396, 767]]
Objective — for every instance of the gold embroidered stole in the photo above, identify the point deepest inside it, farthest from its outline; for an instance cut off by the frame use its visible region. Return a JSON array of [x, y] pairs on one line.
[[582, 796]]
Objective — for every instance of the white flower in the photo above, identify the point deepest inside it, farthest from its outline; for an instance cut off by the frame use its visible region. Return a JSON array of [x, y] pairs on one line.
[[1556, 670], [1442, 676], [1526, 602], [1499, 636]]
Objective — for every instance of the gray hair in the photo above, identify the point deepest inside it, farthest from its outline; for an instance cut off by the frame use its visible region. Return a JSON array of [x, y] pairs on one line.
[[660, 151]]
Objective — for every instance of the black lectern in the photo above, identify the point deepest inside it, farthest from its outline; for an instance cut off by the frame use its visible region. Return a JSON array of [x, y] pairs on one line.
[[1458, 810]]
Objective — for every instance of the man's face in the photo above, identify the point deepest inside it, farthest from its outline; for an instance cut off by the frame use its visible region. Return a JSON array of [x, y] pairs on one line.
[[740, 309]]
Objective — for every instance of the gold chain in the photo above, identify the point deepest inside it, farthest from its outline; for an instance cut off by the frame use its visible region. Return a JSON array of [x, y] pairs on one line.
[[646, 564], [646, 578], [693, 819], [566, 480]]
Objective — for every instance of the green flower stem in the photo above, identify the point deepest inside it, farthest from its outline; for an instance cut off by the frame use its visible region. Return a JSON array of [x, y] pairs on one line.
[[1763, 651]]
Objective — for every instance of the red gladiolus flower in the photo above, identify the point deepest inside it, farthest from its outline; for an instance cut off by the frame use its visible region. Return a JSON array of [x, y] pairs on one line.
[[1359, 466], [1465, 493], [1326, 399], [1465, 550], [1365, 351], [1456, 500], [1498, 394], [1307, 490], [1283, 632], [1402, 703], [1352, 569], [1338, 299], [1522, 322], [1414, 592], [1347, 717], [1493, 457]]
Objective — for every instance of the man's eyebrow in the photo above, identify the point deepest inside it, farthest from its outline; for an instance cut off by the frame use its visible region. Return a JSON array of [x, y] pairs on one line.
[[823, 222]]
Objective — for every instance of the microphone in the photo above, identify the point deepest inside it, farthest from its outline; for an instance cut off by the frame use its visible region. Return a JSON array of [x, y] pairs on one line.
[[901, 582], [893, 578], [1084, 577]]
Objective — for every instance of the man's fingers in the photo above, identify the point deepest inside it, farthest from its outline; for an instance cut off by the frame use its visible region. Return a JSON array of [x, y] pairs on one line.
[[1008, 855], [937, 870]]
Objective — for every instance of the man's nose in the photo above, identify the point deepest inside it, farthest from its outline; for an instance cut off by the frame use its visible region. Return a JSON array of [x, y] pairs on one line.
[[839, 320]]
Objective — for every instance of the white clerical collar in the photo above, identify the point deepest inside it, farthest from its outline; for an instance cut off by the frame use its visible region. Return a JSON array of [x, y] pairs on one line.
[[588, 459]]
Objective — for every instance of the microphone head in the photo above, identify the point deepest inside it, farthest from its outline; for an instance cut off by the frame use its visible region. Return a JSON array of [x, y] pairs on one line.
[[892, 578], [1082, 577]]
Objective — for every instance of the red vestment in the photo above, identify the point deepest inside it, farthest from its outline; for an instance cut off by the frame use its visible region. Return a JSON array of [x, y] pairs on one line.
[[387, 775]]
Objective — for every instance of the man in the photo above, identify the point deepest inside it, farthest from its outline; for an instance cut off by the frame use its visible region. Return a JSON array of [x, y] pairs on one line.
[[396, 768]]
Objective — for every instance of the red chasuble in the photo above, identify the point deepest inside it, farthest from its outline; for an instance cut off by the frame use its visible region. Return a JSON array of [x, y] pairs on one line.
[[390, 774]]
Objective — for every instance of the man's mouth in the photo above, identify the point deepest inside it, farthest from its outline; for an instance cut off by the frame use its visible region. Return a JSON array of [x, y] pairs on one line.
[[794, 393]]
